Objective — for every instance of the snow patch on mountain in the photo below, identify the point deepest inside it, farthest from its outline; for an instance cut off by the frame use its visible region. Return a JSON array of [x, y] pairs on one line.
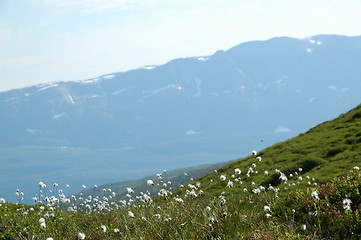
[[157, 91], [57, 116], [198, 82], [108, 76], [121, 90], [11, 99], [32, 131], [42, 87], [314, 42], [333, 88], [70, 98], [191, 132], [281, 129], [202, 58], [90, 81], [312, 99], [149, 67]]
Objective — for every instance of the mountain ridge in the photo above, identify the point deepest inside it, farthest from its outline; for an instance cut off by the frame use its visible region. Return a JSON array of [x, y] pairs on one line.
[[208, 109]]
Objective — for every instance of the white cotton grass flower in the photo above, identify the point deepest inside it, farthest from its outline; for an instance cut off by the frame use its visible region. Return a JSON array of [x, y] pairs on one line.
[[104, 228], [229, 184], [266, 173], [116, 230], [314, 195], [237, 171], [131, 214], [304, 227], [179, 200], [42, 185], [356, 168], [130, 190], [150, 182], [223, 177], [268, 215], [42, 223], [81, 236], [254, 152], [50, 238], [347, 204], [259, 159], [266, 208]]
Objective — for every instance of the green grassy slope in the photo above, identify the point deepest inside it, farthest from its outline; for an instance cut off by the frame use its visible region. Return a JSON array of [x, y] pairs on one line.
[[322, 152]]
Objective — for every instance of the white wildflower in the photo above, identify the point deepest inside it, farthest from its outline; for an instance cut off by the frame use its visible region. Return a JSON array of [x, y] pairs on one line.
[[347, 204], [237, 171], [223, 177], [130, 214], [230, 184], [315, 196], [81, 236], [130, 190], [254, 152], [267, 208], [179, 200], [104, 228]]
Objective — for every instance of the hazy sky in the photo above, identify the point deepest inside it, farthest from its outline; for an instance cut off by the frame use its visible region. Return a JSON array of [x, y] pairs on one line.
[[60, 40]]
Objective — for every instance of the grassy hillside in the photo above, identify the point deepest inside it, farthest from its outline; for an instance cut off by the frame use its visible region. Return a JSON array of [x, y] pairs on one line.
[[308, 187], [322, 152]]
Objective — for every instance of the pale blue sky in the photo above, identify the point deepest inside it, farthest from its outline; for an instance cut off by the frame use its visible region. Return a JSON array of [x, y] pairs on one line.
[[62, 40]]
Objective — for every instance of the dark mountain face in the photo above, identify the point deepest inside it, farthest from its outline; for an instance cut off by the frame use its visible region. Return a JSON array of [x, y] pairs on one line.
[[256, 88]]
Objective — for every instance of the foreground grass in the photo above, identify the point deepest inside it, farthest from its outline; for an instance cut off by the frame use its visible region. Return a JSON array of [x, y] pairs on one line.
[[331, 210]]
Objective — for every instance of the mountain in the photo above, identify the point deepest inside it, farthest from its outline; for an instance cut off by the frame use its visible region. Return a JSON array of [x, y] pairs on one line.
[[190, 111]]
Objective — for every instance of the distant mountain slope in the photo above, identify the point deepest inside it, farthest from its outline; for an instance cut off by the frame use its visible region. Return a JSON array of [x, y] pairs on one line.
[[322, 152], [191, 111]]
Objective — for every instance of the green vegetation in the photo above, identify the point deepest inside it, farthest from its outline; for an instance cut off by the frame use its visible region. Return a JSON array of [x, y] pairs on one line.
[[308, 187]]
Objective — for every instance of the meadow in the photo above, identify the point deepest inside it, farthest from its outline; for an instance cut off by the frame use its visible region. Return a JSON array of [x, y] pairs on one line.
[[307, 187]]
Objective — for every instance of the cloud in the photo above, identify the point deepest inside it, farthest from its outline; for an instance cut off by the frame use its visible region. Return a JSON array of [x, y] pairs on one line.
[[88, 6]]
